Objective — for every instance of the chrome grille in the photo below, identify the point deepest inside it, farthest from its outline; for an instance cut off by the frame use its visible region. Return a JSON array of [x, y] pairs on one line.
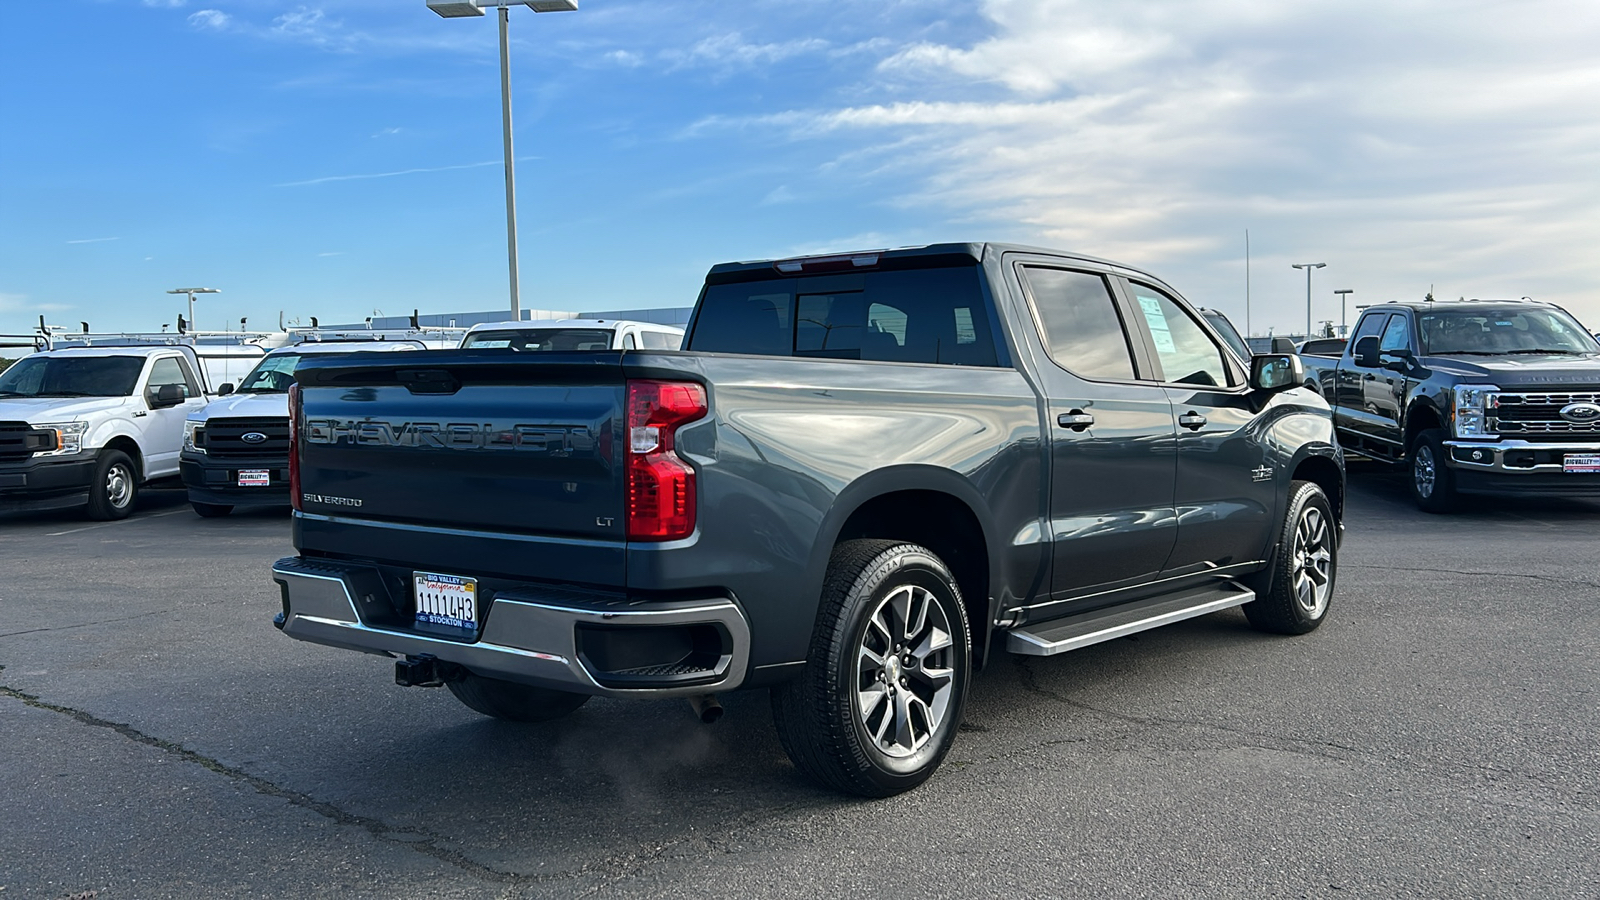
[[1537, 416]]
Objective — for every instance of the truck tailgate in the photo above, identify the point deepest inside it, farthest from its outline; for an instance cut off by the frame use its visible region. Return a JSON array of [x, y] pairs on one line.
[[506, 455]]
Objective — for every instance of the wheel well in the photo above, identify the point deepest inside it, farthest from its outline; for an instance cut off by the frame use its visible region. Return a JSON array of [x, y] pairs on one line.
[[129, 446], [1420, 418], [944, 525], [1325, 474]]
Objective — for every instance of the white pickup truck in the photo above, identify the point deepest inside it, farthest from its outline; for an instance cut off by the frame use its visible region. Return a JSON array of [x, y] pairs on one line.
[[86, 427]]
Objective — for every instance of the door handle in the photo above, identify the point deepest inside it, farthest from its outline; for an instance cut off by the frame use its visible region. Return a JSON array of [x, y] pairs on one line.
[[1371, 377], [1077, 420], [1192, 420]]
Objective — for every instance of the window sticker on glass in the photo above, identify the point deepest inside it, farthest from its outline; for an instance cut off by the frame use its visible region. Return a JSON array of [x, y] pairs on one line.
[[1159, 332]]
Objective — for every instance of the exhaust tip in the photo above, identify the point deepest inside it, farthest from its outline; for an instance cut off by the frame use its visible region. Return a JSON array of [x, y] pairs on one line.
[[706, 708]]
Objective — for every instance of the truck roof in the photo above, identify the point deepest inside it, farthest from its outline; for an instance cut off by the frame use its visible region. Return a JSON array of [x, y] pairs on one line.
[[117, 350], [957, 253], [1424, 305]]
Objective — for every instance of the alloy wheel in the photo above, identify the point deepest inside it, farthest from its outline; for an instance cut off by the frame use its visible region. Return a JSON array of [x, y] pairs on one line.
[[905, 671], [1313, 562]]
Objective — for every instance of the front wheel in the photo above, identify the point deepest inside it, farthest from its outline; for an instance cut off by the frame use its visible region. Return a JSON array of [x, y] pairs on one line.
[[115, 487], [1300, 586], [1433, 483], [878, 704], [513, 701]]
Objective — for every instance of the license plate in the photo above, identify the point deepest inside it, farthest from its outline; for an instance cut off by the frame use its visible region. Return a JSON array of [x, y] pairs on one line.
[[1588, 464], [255, 478], [446, 600]]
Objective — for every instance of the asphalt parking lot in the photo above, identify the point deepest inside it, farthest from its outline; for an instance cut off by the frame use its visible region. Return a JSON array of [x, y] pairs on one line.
[[1436, 738]]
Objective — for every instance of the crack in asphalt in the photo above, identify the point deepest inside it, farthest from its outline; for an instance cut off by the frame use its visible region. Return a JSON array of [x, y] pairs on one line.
[[1030, 683], [610, 870], [82, 625], [406, 837]]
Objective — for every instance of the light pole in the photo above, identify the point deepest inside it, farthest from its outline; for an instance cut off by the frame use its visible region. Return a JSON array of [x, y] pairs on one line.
[[457, 9], [1344, 324], [191, 292], [1308, 267]]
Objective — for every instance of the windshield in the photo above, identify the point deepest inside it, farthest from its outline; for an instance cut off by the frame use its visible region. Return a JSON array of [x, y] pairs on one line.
[[1495, 331], [272, 375], [530, 340], [1229, 334], [72, 376]]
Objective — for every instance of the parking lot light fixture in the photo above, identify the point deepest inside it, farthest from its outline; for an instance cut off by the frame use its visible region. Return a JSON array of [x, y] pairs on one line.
[[1344, 322], [191, 292], [1308, 267], [460, 9]]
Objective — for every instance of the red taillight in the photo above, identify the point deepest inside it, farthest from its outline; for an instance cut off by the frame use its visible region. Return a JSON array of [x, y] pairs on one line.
[[294, 446], [660, 485]]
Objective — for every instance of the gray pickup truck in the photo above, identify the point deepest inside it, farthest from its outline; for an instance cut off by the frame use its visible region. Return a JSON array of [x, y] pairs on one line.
[[1471, 397], [864, 475]]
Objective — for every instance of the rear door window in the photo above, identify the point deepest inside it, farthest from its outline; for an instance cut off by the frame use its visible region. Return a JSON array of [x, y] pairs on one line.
[[937, 315], [1082, 330]]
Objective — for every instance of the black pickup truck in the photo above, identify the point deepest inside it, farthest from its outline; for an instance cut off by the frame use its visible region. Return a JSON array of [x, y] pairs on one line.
[[1483, 397], [863, 475]]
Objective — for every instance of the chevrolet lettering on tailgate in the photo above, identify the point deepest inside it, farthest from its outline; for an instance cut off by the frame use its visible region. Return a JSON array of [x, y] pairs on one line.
[[554, 440]]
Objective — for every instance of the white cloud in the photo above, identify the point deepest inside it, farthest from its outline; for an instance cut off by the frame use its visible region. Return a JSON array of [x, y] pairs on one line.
[[214, 19], [94, 240], [165, 4], [1406, 144], [329, 178], [387, 132], [732, 51]]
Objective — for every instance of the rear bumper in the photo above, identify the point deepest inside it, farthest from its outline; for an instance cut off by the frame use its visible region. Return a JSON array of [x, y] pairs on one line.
[[216, 480], [46, 483], [533, 635], [1520, 467]]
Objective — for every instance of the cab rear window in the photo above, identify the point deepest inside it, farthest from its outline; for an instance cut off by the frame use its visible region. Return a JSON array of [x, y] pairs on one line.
[[919, 315]]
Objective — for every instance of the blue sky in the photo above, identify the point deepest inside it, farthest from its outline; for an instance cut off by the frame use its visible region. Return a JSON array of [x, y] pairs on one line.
[[338, 157]]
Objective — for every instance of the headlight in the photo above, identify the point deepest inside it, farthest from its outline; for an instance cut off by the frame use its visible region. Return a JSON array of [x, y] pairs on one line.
[[1475, 405], [194, 436], [69, 437]]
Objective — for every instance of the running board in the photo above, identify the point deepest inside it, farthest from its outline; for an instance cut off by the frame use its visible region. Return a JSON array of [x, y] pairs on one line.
[[1072, 632]]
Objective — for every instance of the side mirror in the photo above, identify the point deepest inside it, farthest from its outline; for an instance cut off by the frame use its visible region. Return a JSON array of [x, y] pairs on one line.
[[1282, 345], [1366, 352], [1276, 372], [225, 389], [167, 395], [1397, 362]]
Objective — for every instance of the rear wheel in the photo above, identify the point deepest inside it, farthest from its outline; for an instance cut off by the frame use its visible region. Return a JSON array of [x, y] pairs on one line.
[[1305, 566], [210, 510], [877, 706], [513, 701], [115, 487], [1433, 483]]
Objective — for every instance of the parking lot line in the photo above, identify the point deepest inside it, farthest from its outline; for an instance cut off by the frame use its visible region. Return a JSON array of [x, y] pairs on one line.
[[170, 512]]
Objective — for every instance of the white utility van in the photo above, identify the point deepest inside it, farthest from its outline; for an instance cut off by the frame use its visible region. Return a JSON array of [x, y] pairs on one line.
[[573, 334]]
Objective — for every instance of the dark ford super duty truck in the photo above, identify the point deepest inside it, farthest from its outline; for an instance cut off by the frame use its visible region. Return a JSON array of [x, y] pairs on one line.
[[863, 473], [1485, 397]]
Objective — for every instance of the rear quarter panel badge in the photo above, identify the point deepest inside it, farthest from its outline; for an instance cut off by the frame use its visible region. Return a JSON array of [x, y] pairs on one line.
[[1261, 473]]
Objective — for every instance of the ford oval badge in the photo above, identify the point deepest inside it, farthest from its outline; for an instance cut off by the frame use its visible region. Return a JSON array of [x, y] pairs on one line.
[[252, 437], [1581, 413]]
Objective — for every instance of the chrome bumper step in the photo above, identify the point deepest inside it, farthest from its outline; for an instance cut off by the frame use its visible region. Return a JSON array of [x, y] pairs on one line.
[[1054, 636]]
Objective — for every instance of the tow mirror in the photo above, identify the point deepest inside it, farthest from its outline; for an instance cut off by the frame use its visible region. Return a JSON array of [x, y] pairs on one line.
[[1276, 372], [1366, 352], [225, 389]]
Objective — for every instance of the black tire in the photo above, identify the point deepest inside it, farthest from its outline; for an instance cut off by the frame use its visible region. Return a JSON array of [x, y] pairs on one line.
[[876, 729], [210, 510], [115, 487], [1294, 599], [1433, 483], [512, 701]]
